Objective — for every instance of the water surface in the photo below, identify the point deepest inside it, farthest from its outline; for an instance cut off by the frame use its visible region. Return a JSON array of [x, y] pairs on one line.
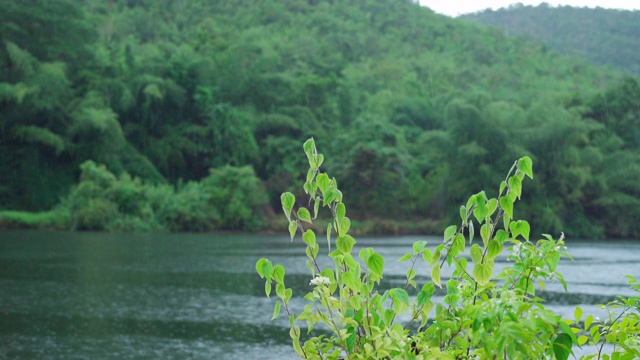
[[126, 296]]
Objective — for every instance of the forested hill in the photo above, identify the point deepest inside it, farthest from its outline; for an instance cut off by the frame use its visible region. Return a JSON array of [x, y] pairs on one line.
[[602, 36], [204, 103]]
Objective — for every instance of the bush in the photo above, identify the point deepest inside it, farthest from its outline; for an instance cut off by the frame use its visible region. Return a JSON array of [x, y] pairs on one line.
[[237, 194], [482, 316], [189, 210], [229, 198], [56, 219]]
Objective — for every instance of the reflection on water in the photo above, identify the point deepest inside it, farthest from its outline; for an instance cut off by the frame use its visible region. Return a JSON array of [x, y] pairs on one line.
[[95, 295]]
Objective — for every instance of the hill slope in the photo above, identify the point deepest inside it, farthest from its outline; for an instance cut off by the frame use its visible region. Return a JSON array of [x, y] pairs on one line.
[[414, 111], [602, 36]]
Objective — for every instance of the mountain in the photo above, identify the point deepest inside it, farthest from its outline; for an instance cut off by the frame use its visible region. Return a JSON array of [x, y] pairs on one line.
[[414, 112], [602, 36]]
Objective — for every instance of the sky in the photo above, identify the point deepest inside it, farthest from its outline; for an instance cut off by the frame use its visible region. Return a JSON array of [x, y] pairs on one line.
[[459, 7]]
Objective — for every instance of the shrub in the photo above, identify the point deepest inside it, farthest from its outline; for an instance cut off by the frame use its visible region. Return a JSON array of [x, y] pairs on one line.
[[56, 219], [236, 192], [188, 210], [482, 316], [229, 198]]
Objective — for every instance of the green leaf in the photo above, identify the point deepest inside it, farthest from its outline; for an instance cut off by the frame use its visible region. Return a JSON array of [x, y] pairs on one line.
[[411, 273], [562, 346], [304, 215], [365, 253], [345, 243], [507, 205], [476, 253], [322, 180], [436, 254], [267, 287], [582, 339], [278, 273], [427, 255], [449, 232], [463, 214], [520, 227], [406, 257], [482, 272], [316, 206], [461, 265], [422, 298], [494, 249], [276, 310], [501, 236], [288, 200], [267, 270], [375, 263], [567, 330], [458, 243], [311, 268], [515, 184], [341, 211], [552, 260], [419, 246], [259, 265], [425, 294], [506, 222], [309, 237], [480, 211], [310, 174], [345, 224], [471, 231], [472, 200], [492, 205], [308, 188], [526, 166], [435, 276], [329, 236], [338, 195], [351, 339], [400, 295], [349, 280], [389, 314], [319, 160], [329, 197], [293, 226], [429, 289], [309, 147], [288, 293], [577, 313], [485, 233], [588, 321]]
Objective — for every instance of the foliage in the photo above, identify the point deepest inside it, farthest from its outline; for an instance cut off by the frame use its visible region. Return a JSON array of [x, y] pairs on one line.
[[102, 201], [602, 36], [57, 219], [411, 104], [485, 314], [230, 198]]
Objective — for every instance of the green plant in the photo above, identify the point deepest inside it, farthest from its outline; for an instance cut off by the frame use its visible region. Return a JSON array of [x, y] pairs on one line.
[[482, 316]]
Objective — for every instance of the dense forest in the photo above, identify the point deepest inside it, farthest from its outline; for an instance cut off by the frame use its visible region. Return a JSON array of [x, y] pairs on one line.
[[602, 36], [190, 116]]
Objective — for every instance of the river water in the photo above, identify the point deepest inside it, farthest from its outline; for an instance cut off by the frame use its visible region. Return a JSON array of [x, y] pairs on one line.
[[178, 296]]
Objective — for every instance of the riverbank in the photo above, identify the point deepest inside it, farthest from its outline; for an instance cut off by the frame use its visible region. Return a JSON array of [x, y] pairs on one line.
[[60, 219], [370, 226]]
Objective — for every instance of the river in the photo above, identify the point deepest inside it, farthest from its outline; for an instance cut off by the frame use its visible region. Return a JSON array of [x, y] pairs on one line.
[[177, 296]]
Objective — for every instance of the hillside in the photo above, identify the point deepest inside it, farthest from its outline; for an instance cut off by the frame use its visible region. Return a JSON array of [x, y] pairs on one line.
[[414, 112], [602, 36]]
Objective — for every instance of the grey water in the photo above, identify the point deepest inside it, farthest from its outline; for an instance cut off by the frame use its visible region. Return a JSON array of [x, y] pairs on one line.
[[198, 296]]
